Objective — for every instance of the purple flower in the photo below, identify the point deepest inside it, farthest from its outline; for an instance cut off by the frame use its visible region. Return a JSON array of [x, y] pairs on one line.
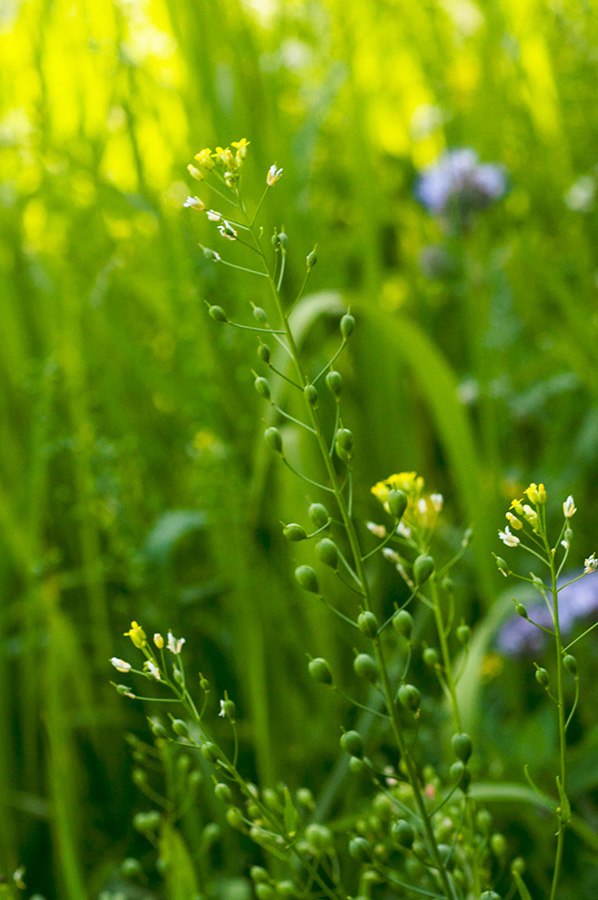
[[458, 182], [577, 601]]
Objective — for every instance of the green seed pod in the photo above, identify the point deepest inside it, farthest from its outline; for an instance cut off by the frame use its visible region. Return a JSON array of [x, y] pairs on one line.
[[359, 848], [260, 315], [403, 623], [223, 792], [397, 503], [498, 845], [311, 260], [465, 781], [145, 822], [179, 727], [286, 889], [484, 821], [311, 394], [211, 255], [568, 535], [259, 875], [318, 514], [262, 387], [204, 684], [183, 764], [318, 837], [570, 663], [306, 798], [124, 690], [501, 564], [456, 770], [275, 239], [334, 382], [365, 667], [347, 325], [253, 811], [217, 313], [265, 892], [274, 439], [271, 799], [308, 579], [283, 240], [229, 709], [430, 657], [264, 353], [422, 569], [234, 817], [368, 624], [131, 868], [158, 729], [352, 743], [194, 780], [518, 865], [409, 697], [343, 443], [403, 833], [542, 676], [521, 610], [462, 746], [210, 751], [463, 634], [357, 765], [490, 895], [294, 532], [320, 670], [327, 552]]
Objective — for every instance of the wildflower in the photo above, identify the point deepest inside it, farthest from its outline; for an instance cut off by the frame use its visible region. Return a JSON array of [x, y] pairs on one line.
[[458, 181], [204, 158], [137, 635], [175, 645], [224, 157], [536, 493], [377, 530], [437, 501], [403, 530], [390, 554], [152, 669], [241, 148], [517, 505], [227, 231], [590, 564], [213, 216], [222, 712], [569, 508], [273, 175], [515, 523], [120, 664], [194, 203], [530, 515], [194, 172], [158, 641], [511, 540]]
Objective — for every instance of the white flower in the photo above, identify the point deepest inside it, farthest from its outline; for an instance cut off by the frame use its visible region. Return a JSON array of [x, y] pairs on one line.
[[273, 175], [227, 231], [590, 564], [565, 544], [120, 665], [569, 508], [152, 670], [530, 515], [213, 216], [222, 709], [437, 501], [422, 507], [403, 530], [377, 530], [194, 203], [390, 555], [511, 540], [175, 645]]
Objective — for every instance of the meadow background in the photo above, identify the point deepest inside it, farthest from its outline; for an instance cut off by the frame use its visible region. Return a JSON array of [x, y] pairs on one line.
[[133, 479]]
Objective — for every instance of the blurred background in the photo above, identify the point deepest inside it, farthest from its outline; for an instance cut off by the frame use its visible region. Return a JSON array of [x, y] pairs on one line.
[[133, 483]]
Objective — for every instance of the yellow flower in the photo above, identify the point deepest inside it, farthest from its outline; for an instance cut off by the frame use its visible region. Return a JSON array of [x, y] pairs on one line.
[[517, 505], [409, 482], [536, 494], [158, 641], [137, 635], [204, 158], [241, 148], [224, 157], [422, 511], [514, 521]]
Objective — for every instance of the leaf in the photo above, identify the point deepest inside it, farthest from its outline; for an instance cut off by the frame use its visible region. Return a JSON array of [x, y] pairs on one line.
[[521, 887], [290, 814], [180, 875]]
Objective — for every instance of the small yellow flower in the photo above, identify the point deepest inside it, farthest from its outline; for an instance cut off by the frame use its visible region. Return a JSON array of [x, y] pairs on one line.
[[204, 158], [535, 493], [158, 641], [517, 505], [241, 148], [514, 521], [137, 635], [224, 157], [194, 172]]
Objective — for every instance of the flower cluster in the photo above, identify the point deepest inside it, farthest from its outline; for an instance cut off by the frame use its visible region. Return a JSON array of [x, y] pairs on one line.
[[422, 509], [459, 183]]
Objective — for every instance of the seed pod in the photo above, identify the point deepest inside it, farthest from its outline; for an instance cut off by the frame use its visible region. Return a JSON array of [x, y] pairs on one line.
[[570, 663], [347, 325], [328, 552], [542, 676], [397, 503], [263, 351], [343, 443], [210, 751], [294, 532], [402, 623], [352, 743], [234, 817], [462, 746], [131, 868], [501, 564], [311, 260], [217, 313], [311, 394], [308, 579], [320, 670], [274, 439], [318, 837], [179, 727], [498, 845], [357, 766], [463, 634], [223, 792], [365, 667], [334, 382], [229, 709], [422, 569], [446, 855], [484, 820], [146, 821], [490, 895], [285, 888], [359, 848], [456, 770], [283, 239], [518, 865], [262, 387], [259, 874], [259, 315], [368, 624], [158, 729], [318, 514], [409, 697], [138, 777], [430, 657], [403, 833], [521, 610]]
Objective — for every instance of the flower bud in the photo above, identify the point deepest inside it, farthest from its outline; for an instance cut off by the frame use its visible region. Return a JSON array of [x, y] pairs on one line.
[[179, 727], [430, 657], [283, 240], [274, 439], [368, 624], [210, 751], [311, 260], [217, 313], [306, 798], [259, 315], [294, 532], [145, 822], [343, 443], [403, 833], [570, 663], [223, 792], [365, 667], [402, 623], [131, 868], [347, 325], [311, 394], [397, 503], [320, 670], [542, 676], [359, 848], [157, 729], [234, 817], [318, 837], [462, 746], [484, 820], [308, 579], [518, 865], [259, 875], [409, 697], [422, 569], [463, 634], [327, 552], [357, 766], [262, 387], [334, 382], [263, 351], [229, 709], [501, 565], [498, 845], [285, 888], [138, 777], [318, 514], [352, 743]]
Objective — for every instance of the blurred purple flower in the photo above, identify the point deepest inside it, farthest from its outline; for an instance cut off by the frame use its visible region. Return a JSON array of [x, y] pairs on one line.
[[577, 601], [458, 182]]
